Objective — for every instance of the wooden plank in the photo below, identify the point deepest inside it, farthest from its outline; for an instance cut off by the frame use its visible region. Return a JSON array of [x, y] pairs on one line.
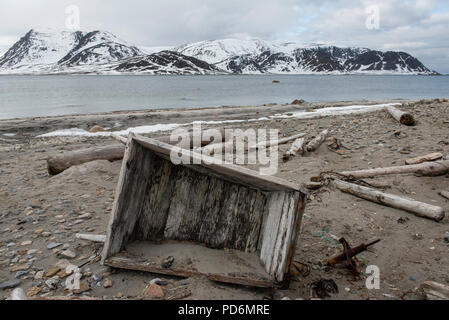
[[267, 183], [230, 266], [115, 237]]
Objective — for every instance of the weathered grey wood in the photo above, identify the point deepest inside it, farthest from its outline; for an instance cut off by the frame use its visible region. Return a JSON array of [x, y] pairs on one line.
[[428, 157], [119, 138], [91, 237], [444, 194], [281, 141], [417, 208], [435, 291], [58, 163], [431, 169], [296, 148], [224, 170], [401, 116], [220, 205], [315, 143]]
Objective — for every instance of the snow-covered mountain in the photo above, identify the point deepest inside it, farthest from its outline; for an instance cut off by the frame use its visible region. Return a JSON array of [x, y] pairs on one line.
[[93, 52], [166, 62], [49, 52], [102, 52], [258, 56]]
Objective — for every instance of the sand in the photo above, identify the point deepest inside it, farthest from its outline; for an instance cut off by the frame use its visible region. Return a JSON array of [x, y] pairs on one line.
[[43, 209]]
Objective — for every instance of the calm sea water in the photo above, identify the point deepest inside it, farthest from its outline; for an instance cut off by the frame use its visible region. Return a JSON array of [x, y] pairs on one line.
[[31, 96]]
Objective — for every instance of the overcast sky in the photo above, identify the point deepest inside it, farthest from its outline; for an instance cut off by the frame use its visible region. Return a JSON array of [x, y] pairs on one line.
[[419, 27]]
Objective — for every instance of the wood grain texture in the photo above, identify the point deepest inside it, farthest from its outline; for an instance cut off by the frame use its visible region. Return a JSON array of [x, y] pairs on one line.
[[220, 206]]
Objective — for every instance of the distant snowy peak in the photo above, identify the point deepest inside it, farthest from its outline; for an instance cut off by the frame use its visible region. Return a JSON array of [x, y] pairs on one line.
[[257, 56], [40, 48], [98, 48], [53, 51], [167, 62]]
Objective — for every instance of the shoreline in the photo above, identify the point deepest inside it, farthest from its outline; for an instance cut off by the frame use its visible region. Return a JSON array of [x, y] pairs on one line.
[[34, 126]]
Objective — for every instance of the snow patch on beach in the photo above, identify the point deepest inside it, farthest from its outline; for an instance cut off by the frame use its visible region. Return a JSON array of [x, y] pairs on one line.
[[76, 132], [301, 114]]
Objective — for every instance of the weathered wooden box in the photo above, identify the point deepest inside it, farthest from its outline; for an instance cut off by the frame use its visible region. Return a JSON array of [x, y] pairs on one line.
[[218, 220]]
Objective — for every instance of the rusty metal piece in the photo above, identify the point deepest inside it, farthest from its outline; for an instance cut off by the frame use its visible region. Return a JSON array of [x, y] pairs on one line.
[[302, 268], [349, 253]]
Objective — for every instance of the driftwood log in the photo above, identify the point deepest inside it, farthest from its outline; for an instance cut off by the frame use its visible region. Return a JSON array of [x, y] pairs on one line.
[[431, 169], [296, 148], [58, 163], [317, 141], [417, 208], [426, 158], [401, 116], [435, 291]]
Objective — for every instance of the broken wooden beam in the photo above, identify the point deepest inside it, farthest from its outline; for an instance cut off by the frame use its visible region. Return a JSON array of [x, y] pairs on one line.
[[401, 116], [426, 158], [431, 169], [296, 148], [317, 141], [61, 162], [416, 207]]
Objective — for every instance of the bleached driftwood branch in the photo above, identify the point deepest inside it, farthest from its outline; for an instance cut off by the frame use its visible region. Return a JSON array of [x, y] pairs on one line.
[[296, 148], [417, 208], [431, 169], [91, 237], [426, 158], [317, 141]]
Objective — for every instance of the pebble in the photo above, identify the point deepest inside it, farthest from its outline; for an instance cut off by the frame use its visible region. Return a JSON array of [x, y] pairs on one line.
[[20, 274], [10, 284], [26, 243], [33, 291], [84, 286], [68, 254], [52, 284], [446, 237], [107, 283], [39, 275], [50, 273], [154, 291], [53, 245]]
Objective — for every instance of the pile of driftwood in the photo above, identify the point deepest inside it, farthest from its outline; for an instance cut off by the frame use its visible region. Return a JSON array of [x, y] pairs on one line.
[[351, 182]]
